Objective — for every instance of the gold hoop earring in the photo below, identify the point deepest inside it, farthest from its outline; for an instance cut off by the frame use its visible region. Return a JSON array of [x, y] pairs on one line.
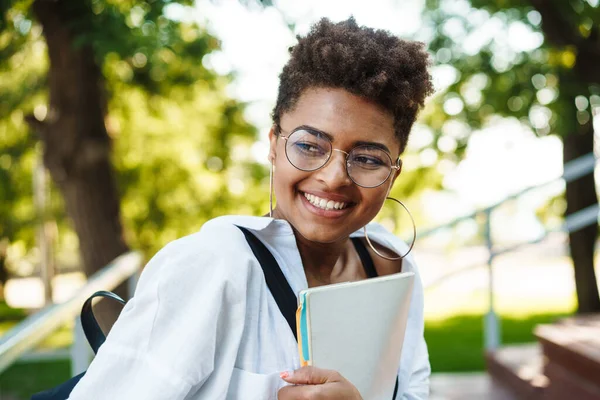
[[271, 191], [411, 245]]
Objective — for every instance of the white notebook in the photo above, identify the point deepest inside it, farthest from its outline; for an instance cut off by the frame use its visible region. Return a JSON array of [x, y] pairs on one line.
[[357, 329]]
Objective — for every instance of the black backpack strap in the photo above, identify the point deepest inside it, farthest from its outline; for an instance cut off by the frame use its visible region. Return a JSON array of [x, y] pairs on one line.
[[365, 257], [280, 288], [93, 333], [60, 392]]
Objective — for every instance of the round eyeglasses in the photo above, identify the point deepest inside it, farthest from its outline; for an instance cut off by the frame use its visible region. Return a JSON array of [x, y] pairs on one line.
[[367, 165]]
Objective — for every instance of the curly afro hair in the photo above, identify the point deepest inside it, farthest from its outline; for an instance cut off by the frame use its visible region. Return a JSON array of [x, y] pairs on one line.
[[369, 63]]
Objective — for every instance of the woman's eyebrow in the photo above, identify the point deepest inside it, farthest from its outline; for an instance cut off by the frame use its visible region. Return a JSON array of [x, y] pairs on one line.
[[313, 130], [373, 144], [332, 139]]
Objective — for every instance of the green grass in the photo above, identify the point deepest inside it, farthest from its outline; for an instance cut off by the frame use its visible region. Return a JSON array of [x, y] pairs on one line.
[[10, 314], [22, 380], [456, 344]]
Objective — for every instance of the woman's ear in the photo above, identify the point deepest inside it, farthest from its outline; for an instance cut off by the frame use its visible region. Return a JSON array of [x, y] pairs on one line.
[[395, 175], [272, 144], [397, 172]]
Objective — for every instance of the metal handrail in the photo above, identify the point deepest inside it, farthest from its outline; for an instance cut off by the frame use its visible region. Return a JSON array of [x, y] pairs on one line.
[[35, 328], [573, 222], [573, 170]]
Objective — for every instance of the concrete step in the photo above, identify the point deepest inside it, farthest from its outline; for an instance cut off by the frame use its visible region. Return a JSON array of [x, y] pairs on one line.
[[520, 369], [467, 386], [572, 352]]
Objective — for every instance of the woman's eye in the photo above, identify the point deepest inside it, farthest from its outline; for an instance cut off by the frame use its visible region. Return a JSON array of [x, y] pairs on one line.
[[309, 148], [368, 161]]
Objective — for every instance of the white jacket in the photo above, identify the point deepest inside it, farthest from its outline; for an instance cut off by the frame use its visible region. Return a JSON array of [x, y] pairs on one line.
[[203, 325]]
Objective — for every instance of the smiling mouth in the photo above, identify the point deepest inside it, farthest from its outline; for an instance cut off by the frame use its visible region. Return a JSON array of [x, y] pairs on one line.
[[325, 204]]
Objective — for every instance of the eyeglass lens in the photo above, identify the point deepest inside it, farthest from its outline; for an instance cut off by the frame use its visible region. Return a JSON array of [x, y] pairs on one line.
[[367, 166]]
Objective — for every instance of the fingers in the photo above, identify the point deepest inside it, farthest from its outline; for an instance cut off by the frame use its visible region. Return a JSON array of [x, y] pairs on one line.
[[305, 392], [316, 383], [311, 376], [342, 390]]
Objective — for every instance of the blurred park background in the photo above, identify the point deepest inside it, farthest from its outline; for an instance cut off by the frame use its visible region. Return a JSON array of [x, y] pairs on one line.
[[127, 124]]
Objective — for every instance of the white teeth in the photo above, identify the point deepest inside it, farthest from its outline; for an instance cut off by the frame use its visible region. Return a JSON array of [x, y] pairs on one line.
[[324, 204]]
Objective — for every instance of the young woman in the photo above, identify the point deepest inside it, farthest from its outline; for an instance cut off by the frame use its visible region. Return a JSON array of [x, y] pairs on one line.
[[202, 323]]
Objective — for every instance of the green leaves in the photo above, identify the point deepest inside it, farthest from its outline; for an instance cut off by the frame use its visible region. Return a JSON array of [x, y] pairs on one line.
[[181, 146], [526, 76]]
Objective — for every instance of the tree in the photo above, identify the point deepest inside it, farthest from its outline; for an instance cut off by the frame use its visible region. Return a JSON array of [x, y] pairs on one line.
[[117, 69], [550, 81]]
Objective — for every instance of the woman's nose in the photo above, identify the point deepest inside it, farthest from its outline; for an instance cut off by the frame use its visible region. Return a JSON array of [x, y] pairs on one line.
[[334, 173]]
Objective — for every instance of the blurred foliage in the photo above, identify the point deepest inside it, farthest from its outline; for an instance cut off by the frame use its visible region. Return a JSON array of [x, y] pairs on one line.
[[182, 162], [495, 61], [499, 63], [181, 146], [22, 67]]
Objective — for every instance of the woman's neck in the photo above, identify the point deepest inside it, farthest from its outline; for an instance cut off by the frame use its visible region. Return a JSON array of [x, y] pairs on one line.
[[326, 263], [319, 258]]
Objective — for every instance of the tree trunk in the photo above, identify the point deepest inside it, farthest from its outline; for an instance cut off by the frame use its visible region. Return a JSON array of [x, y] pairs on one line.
[[581, 194], [560, 31], [74, 136]]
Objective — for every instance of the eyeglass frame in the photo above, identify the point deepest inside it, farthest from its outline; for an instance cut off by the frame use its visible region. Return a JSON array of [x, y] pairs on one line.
[[397, 167]]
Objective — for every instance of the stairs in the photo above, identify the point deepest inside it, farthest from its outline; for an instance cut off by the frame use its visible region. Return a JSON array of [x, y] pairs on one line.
[[520, 369], [572, 352], [564, 364], [466, 386]]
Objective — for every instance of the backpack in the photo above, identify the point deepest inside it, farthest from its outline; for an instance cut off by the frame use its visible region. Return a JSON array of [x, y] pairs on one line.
[[276, 282]]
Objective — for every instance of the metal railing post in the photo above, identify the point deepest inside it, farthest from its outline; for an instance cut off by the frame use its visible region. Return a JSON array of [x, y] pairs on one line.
[[40, 189], [80, 352], [491, 329]]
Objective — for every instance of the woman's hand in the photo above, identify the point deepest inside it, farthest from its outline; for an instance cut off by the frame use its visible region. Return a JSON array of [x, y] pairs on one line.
[[319, 384]]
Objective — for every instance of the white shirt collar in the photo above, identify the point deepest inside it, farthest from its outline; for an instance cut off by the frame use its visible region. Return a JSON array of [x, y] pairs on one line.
[[270, 226], [280, 227]]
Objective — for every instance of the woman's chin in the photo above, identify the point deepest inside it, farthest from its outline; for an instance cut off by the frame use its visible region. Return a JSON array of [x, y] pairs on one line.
[[321, 234]]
